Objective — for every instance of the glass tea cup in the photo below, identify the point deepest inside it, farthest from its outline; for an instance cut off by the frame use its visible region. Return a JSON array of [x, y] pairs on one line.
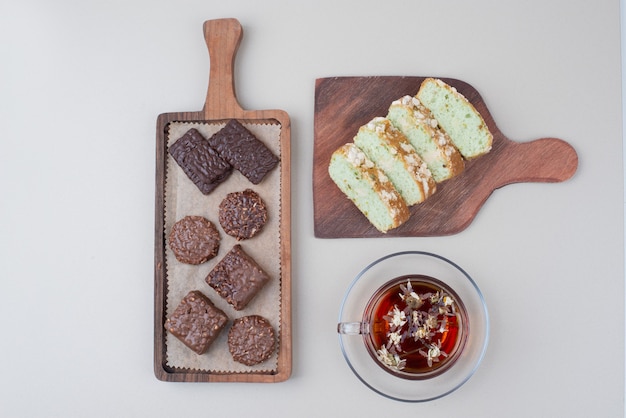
[[413, 343], [413, 326]]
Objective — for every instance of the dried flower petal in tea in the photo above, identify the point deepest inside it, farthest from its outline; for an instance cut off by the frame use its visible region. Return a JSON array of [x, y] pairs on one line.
[[417, 327]]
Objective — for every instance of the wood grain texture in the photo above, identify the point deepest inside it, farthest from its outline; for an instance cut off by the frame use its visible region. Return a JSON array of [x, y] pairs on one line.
[[223, 37], [343, 104]]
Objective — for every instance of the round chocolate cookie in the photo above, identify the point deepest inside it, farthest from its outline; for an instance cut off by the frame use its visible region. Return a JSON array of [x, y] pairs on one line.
[[251, 340], [194, 240], [242, 214]]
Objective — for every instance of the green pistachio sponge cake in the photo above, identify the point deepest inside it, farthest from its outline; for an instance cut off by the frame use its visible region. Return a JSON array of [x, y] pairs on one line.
[[391, 151], [367, 187], [432, 144], [457, 116]]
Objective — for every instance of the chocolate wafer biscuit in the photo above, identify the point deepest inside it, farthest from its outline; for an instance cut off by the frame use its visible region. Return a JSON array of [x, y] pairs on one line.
[[237, 278], [244, 151], [201, 163]]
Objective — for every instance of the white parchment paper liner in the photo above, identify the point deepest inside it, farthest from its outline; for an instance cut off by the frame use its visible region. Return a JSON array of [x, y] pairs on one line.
[[183, 198]]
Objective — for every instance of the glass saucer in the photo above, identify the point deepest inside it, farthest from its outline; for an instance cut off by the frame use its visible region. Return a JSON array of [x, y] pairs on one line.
[[414, 263]]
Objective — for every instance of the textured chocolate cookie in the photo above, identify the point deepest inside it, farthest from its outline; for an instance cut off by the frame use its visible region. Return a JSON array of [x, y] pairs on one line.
[[242, 214], [201, 163], [196, 322], [251, 340], [194, 240], [237, 278], [244, 151]]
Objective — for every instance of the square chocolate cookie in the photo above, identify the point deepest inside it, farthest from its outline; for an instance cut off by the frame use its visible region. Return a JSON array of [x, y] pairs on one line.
[[237, 278], [196, 322]]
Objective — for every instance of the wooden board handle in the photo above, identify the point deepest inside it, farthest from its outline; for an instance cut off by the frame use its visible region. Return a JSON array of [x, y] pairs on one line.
[[222, 37], [542, 160]]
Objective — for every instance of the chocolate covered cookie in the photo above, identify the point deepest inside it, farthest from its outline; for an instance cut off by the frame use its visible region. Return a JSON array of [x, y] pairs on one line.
[[244, 151], [242, 214], [251, 340], [201, 163], [194, 240], [196, 322], [237, 278]]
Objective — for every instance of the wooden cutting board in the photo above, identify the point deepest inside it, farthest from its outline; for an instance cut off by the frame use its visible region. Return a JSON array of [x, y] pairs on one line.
[[223, 37], [343, 104]]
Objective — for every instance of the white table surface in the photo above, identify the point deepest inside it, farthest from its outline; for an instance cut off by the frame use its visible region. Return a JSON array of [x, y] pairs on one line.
[[81, 85]]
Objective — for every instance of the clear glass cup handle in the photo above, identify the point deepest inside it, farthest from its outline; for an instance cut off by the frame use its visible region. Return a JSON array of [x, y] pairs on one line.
[[353, 328]]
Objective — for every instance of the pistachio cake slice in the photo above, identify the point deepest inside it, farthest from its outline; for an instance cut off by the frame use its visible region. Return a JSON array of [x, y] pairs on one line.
[[432, 144], [391, 151], [457, 116], [367, 187]]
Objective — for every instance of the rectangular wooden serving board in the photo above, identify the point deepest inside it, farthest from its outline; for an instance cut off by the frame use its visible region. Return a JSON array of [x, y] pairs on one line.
[[343, 104], [223, 37]]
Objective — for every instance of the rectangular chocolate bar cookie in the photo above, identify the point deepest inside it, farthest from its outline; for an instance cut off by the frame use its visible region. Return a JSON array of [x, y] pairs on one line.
[[237, 278], [196, 322], [202, 164], [244, 151]]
